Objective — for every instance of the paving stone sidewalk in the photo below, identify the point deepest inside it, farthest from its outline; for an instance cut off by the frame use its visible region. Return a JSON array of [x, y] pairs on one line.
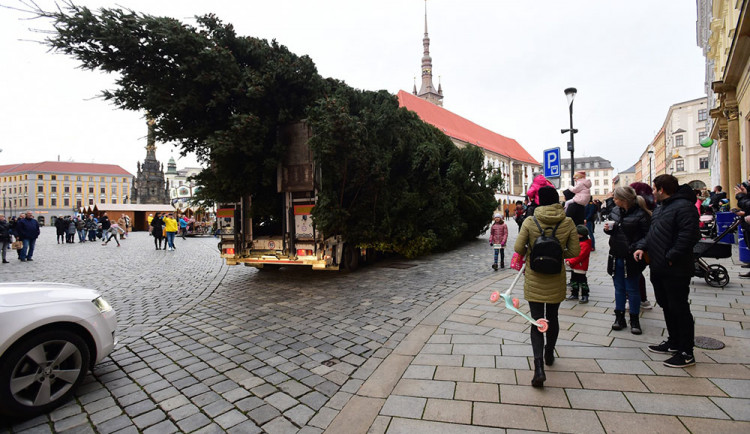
[[467, 368]]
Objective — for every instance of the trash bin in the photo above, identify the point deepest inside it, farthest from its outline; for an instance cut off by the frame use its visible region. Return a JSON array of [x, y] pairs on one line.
[[723, 221]]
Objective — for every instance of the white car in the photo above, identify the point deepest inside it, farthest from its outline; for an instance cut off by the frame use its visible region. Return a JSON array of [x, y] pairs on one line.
[[51, 334]]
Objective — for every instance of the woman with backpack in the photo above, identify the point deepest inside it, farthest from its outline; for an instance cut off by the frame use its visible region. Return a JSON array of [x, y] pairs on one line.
[[627, 227], [549, 230]]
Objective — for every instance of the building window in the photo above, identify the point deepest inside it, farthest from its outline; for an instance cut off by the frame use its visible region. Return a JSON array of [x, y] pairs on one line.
[[79, 204], [53, 201], [78, 189], [606, 190], [596, 191], [91, 190], [596, 173], [54, 177], [40, 177], [102, 190], [102, 200], [101, 179], [702, 114], [704, 163], [40, 188], [596, 182], [53, 188], [606, 182], [78, 178], [40, 201], [679, 165], [66, 177], [702, 135], [114, 201], [66, 202], [678, 141], [66, 189], [91, 201]]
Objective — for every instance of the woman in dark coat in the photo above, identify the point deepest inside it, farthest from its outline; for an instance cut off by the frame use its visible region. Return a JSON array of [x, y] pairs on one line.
[[157, 227], [627, 234]]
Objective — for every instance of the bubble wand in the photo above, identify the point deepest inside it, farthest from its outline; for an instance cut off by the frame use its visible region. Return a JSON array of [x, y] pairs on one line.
[[513, 303]]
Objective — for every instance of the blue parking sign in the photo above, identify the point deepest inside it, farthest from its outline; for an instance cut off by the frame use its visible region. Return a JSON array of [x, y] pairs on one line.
[[552, 163]]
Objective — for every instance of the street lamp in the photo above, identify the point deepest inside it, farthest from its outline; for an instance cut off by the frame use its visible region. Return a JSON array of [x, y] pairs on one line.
[[650, 159], [570, 94]]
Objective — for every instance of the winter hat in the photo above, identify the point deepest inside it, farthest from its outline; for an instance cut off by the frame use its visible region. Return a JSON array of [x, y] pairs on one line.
[[582, 230], [497, 215], [548, 196]]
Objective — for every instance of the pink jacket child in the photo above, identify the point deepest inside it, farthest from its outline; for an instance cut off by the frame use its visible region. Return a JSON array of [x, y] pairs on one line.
[[582, 190], [498, 238], [538, 182]]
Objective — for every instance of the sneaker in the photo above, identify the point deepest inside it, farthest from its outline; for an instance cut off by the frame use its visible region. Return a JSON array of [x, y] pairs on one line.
[[646, 305], [680, 360], [572, 297], [494, 266], [584, 299], [29, 259], [662, 348]]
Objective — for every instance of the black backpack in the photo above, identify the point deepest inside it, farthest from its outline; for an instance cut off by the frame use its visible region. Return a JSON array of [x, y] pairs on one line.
[[547, 253]]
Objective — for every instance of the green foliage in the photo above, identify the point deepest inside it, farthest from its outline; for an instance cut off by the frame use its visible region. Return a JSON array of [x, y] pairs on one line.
[[389, 180]]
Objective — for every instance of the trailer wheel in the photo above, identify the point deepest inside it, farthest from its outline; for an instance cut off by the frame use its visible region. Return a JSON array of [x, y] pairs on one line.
[[350, 257], [269, 267]]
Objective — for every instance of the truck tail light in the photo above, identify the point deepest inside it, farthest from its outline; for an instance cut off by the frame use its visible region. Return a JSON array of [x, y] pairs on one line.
[[229, 251]]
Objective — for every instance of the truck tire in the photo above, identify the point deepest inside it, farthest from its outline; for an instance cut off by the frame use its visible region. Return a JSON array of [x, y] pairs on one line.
[[350, 258]]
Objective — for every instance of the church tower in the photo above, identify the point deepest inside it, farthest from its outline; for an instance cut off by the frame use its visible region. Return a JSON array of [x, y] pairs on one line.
[[149, 186], [427, 90]]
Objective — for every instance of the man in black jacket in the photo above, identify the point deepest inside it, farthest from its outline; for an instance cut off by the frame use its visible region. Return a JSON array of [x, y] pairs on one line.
[[669, 242]]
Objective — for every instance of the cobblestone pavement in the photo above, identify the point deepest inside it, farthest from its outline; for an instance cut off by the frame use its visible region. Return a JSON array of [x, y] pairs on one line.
[[215, 348], [401, 346]]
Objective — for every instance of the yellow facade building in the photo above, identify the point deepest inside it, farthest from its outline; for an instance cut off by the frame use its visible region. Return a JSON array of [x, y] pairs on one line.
[[53, 188]]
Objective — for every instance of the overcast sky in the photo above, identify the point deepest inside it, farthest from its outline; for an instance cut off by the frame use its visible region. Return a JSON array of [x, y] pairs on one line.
[[503, 65]]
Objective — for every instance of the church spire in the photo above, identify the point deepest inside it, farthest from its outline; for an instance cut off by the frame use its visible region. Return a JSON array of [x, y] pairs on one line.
[[427, 91]]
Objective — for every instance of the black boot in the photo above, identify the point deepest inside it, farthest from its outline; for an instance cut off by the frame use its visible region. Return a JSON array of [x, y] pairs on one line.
[[635, 324], [573, 291], [620, 322], [584, 293], [539, 377], [549, 355]]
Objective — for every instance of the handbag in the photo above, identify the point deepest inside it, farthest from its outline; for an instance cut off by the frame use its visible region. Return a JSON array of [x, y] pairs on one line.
[[16, 245]]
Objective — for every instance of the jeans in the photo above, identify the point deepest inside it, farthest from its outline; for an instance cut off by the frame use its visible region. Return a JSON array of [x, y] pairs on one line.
[[672, 295], [27, 251], [590, 227], [82, 235], [500, 252], [92, 234], [170, 239], [537, 337], [626, 287], [5, 245]]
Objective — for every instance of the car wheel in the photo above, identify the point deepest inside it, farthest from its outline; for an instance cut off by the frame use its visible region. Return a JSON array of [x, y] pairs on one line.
[[41, 372]]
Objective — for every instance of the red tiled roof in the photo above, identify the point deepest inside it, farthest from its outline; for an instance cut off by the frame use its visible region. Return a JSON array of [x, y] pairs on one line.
[[463, 129], [65, 167]]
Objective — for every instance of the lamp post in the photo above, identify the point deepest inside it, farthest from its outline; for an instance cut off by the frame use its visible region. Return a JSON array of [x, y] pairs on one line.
[[650, 159], [570, 94]]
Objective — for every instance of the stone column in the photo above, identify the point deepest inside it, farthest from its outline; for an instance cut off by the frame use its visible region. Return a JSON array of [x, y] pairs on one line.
[[733, 149], [724, 180]]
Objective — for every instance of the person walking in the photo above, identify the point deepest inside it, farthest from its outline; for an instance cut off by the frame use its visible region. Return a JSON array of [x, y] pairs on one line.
[[121, 223], [545, 292], [27, 229], [669, 244], [644, 190], [589, 220], [105, 224], [4, 236], [498, 238], [113, 232], [627, 229], [60, 228], [71, 230], [183, 221], [157, 230], [81, 229], [91, 226], [170, 226], [14, 230]]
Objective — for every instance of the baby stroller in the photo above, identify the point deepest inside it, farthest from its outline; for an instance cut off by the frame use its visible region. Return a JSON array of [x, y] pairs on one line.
[[716, 275]]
